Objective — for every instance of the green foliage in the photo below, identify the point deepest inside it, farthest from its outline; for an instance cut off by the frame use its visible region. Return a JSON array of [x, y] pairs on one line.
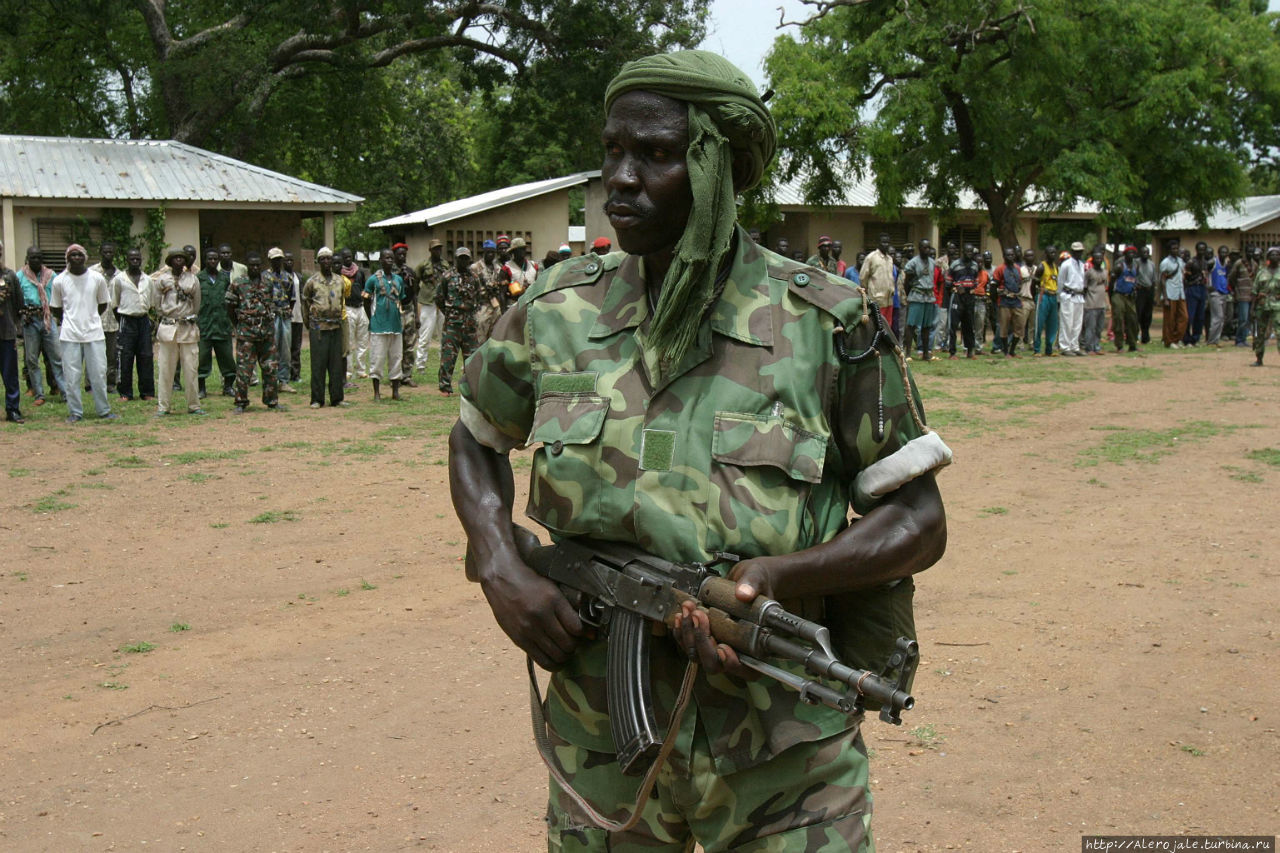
[[117, 227], [1118, 102], [152, 237], [138, 648]]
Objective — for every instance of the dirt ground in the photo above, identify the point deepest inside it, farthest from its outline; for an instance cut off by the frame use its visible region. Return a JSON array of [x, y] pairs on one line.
[[253, 633]]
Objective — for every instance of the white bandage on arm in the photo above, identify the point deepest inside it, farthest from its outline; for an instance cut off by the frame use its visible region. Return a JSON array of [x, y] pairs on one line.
[[483, 431], [915, 458]]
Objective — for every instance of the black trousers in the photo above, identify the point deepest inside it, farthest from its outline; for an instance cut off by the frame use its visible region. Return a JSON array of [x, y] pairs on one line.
[[962, 314], [221, 349], [295, 352], [1145, 299], [9, 368], [133, 345], [326, 359]]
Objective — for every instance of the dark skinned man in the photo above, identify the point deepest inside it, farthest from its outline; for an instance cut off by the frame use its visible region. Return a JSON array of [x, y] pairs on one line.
[[408, 315], [383, 302], [131, 302], [625, 374], [251, 304], [459, 295], [10, 323], [77, 298], [106, 267], [322, 301], [215, 325]]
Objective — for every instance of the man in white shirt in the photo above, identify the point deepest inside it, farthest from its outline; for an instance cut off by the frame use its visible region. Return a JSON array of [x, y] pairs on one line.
[[877, 273], [1071, 300], [77, 298], [130, 300], [1172, 297]]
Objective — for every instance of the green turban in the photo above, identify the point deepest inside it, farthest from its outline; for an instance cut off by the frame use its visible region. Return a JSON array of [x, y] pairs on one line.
[[726, 117]]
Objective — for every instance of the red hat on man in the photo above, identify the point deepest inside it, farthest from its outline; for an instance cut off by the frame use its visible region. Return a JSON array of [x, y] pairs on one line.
[[824, 240], [601, 243], [395, 246], [503, 240]]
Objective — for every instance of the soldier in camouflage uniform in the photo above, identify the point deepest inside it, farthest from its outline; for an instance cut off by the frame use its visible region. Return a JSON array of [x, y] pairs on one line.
[[457, 296], [408, 315], [692, 394], [493, 293], [429, 274], [1266, 302], [251, 306]]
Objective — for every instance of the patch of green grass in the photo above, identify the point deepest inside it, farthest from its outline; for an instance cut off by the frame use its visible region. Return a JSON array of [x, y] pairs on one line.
[[927, 736], [129, 462], [993, 510], [364, 448], [1232, 397], [1009, 572], [139, 648], [106, 486], [1192, 750], [1268, 456], [179, 626], [1133, 374], [133, 439], [1094, 481], [365, 585], [114, 685], [94, 472], [219, 525], [302, 596], [53, 503], [19, 575], [397, 431], [191, 457], [1149, 445], [342, 592], [200, 477], [19, 472], [1242, 475], [273, 516]]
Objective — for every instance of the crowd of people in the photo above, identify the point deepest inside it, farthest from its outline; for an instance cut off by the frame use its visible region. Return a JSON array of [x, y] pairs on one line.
[[1062, 303], [94, 328]]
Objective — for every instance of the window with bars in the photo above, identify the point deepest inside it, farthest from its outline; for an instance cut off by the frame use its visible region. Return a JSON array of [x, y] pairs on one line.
[[961, 235], [53, 236]]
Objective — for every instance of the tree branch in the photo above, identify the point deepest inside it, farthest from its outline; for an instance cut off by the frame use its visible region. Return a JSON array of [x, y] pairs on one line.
[[239, 22], [823, 8]]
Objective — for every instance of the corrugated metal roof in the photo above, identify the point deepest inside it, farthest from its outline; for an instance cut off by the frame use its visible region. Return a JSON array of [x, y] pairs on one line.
[[54, 167], [1252, 212], [451, 210], [861, 192]]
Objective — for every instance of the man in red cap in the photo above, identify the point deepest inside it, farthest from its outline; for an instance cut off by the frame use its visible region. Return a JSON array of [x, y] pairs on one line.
[[823, 259], [601, 246]]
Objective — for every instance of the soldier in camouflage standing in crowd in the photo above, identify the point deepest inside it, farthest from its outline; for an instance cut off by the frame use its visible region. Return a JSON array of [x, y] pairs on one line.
[[457, 297], [252, 307], [408, 315], [695, 394], [493, 294], [1266, 303], [429, 318]]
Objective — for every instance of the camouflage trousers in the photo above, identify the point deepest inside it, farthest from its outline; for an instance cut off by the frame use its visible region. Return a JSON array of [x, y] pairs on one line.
[[459, 335], [409, 345], [1268, 322], [812, 798], [262, 353]]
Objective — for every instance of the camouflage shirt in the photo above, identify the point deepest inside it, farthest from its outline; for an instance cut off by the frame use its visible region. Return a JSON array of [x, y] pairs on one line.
[[1266, 288], [751, 446], [460, 292], [252, 307]]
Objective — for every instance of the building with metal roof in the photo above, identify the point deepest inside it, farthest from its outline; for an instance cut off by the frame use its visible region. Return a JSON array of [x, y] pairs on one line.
[[853, 219], [1253, 221], [537, 211], [54, 189]]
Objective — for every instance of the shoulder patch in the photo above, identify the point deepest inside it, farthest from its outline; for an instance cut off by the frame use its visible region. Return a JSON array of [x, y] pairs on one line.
[[584, 269]]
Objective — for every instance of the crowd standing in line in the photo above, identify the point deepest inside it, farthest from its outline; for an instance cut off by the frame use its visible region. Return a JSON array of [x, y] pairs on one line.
[[108, 330]]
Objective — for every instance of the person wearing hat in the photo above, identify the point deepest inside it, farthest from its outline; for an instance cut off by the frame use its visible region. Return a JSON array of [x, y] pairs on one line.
[[1266, 302], [430, 274], [519, 272], [251, 304], [824, 260], [689, 395], [77, 298], [1071, 288], [408, 315], [1124, 311], [215, 325], [493, 295], [323, 314], [601, 246], [459, 298], [283, 295], [176, 297], [504, 248]]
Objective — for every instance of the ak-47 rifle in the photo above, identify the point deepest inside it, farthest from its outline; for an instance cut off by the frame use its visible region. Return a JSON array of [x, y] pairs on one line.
[[620, 589]]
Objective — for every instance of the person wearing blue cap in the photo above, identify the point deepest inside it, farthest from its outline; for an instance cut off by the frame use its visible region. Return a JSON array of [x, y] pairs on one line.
[[493, 295]]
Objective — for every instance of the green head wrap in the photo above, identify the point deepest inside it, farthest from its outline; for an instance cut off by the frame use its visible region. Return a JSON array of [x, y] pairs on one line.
[[726, 116]]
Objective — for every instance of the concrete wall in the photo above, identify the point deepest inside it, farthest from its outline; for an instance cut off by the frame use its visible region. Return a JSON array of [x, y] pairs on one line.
[[859, 230], [249, 229], [595, 220], [543, 222]]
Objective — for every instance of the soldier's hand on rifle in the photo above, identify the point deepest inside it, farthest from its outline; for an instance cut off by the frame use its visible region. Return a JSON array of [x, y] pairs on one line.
[[530, 609]]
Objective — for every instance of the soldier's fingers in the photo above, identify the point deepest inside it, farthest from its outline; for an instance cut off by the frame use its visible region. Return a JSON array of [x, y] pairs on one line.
[[704, 644]]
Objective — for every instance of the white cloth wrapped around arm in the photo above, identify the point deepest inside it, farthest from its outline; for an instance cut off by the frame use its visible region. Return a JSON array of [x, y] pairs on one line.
[[915, 458], [483, 431]]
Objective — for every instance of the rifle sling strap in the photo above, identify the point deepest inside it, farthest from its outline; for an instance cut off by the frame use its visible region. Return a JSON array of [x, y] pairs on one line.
[[543, 740]]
